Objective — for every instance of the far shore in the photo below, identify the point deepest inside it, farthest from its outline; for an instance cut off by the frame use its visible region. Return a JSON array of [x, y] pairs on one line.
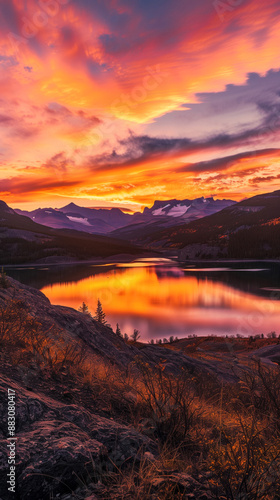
[[123, 258]]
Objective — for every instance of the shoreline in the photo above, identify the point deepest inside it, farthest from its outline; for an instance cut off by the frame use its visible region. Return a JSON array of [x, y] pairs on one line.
[[127, 259], [110, 260]]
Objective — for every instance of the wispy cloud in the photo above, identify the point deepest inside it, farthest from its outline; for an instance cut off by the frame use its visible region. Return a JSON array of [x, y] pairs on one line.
[[161, 92]]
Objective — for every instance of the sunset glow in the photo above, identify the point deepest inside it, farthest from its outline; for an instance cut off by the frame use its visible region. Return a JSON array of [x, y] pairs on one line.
[[122, 102], [142, 297]]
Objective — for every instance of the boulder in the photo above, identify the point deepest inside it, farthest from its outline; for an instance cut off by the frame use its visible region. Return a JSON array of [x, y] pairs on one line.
[[62, 444]]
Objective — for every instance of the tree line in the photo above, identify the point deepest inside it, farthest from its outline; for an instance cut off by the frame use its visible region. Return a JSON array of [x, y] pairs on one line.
[[100, 317]]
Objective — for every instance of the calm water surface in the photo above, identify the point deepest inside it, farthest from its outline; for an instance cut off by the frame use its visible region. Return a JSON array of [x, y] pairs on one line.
[[161, 298]]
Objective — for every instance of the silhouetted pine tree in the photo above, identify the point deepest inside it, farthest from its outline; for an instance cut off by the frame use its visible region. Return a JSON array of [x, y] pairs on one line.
[[118, 331], [84, 309], [99, 314], [3, 279], [136, 335]]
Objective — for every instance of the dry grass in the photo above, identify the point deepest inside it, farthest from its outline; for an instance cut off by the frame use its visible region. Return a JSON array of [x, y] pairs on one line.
[[25, 341], [225, 435], [228, 433]]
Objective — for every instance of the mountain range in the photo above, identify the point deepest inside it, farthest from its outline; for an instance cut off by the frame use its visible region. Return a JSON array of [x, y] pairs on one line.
[[24, 240], [190, 229], [248, 229], [105, 221]]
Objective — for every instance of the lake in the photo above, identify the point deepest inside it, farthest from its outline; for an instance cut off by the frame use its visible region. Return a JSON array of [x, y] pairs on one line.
[[161, 298]]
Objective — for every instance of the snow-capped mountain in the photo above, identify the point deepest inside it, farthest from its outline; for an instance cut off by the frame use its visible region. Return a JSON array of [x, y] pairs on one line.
[[248, 229], [104, 221], [187, 208], [93, 221]]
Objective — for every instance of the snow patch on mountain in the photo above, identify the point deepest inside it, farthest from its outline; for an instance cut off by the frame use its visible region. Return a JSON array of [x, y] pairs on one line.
[[160, 211], [178, 210], [85, 222]]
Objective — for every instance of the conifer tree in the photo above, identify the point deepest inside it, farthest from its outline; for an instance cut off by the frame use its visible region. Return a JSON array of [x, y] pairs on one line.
[[99, 314], [136, 335], [84, 309], [118, 331], [3, 279]]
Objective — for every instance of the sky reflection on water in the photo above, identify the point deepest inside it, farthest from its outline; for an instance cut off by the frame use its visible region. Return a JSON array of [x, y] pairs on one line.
[[168, 300]]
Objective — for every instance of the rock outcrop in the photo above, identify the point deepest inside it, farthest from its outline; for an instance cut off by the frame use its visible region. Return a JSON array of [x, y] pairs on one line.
[[59, 443]]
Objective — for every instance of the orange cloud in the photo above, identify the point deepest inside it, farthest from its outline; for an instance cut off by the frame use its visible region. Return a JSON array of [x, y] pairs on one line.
[[78, 79]]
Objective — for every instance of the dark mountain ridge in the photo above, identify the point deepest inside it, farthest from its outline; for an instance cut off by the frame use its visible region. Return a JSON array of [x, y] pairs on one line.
[[249, 229], [23, 240]]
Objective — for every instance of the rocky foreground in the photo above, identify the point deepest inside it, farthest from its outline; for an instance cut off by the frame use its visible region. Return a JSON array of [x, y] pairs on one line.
[[94, 414]]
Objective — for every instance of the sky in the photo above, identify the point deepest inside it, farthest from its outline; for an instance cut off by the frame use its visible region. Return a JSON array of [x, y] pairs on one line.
[[123, 102]]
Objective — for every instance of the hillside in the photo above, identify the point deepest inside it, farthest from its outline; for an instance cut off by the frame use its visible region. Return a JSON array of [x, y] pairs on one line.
[[249, 229], [101, 418], [23, 240]]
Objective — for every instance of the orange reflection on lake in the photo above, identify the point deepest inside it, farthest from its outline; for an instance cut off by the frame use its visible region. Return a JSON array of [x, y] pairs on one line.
[[168, 301]]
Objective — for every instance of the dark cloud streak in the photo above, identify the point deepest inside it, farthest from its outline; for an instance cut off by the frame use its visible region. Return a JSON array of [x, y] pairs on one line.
[[226, 162]]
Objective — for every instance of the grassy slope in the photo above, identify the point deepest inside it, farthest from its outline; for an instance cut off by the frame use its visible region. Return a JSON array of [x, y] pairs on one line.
[[215, 439]]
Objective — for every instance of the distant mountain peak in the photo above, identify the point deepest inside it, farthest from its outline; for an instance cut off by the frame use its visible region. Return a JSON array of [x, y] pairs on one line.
[[70, 206], [4, 208]]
